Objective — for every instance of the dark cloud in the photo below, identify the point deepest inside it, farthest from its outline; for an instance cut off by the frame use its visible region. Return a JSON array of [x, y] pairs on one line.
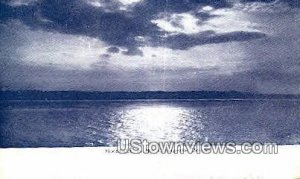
[[119, 28], [77, 17], [183, 41], [105, 56], [113, 50], [133, 51]]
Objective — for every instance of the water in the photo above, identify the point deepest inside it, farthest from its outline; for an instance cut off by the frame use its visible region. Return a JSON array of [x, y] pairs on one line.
[[101, 123]]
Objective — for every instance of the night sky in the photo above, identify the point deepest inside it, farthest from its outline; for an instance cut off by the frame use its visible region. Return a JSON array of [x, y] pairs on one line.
[[149, 45]]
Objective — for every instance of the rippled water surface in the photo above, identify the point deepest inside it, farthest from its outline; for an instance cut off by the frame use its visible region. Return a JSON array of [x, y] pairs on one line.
[[101, 123]]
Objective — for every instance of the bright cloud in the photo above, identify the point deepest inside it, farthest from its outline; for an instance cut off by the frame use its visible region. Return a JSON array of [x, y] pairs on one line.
[[113, 5], [21, 2], [229, 20], [224, 21], [128, 2], [178, 23]]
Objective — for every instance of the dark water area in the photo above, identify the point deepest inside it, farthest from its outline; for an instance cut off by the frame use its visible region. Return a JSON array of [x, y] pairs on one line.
[[101, 123]]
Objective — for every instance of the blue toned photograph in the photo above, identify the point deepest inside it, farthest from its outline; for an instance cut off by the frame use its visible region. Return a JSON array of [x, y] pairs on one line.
[[94, 89]]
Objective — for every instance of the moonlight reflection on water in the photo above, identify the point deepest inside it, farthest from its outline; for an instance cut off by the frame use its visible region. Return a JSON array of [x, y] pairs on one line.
[[157, 122]]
